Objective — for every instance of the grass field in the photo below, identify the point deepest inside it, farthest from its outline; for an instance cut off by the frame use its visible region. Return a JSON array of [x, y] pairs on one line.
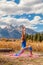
[[8, 60], [16, 45]]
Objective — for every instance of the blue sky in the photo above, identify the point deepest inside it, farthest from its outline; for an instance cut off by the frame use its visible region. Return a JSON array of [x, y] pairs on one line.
[[16, 1], [22, 12]]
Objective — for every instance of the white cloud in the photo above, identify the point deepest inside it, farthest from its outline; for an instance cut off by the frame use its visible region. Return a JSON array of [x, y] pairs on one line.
[[37, 8], [2, 13], [25, 6], [22, 21], [2, 0], [2, 26], [36, 20], [8, 7]]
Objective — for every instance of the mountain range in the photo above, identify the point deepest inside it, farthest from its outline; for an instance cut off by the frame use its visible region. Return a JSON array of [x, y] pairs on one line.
[[13, 31]]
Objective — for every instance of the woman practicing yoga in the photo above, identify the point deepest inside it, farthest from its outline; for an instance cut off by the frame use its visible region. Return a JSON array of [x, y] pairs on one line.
[[23, 44]]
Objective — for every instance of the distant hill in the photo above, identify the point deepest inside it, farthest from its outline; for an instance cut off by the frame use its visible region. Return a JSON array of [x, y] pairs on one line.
[[13, 32]]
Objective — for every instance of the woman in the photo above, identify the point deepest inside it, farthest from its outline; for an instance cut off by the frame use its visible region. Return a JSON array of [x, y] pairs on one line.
[[24, 41], [23, 45], [23, 37]]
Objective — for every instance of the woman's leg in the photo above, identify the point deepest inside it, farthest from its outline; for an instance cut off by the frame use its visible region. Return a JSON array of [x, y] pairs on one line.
[[30, 49]]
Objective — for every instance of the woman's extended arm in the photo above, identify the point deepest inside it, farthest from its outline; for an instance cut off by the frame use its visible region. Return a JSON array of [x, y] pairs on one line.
[[23, 33]]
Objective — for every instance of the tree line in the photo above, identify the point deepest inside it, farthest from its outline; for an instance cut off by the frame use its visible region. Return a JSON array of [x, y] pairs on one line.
[[35, 37]]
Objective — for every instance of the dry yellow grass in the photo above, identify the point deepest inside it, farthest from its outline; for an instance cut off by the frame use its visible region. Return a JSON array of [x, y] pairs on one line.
[[16, 45], [10, 44], [37, 46]]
